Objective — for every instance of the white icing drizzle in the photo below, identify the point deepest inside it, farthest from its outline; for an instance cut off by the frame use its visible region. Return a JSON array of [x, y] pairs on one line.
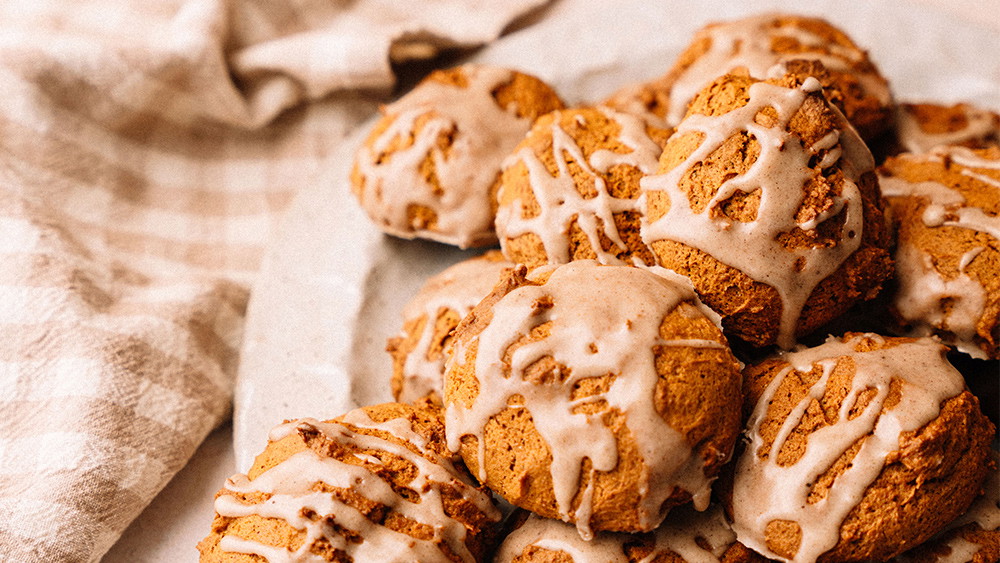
[[605, 320], [233, 544], [293, 499], [942, 203], [968, 158], [923, 291], [398, 427], [780, 173], [458, 288], [555, 535], [974, 217], [892, 186], [766, 491], [968, 257], [980, 124], [747, 43], [485, 134], [560, 200], [678, 534], [962, 551], [937, 215]]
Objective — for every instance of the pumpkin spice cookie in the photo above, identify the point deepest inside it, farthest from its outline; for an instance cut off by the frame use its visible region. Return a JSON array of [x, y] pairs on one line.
[[765, 46], [598, 395], [376, 484], [859, 449], [946, 204], [418, 352], [569, 190], [767, 200], [430, 166]]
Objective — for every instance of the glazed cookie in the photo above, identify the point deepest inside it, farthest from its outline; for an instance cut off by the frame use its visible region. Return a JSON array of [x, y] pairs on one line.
[[685, 537], [946, 204], [376, 484], [599, 395], [766, 199], [921, 127], [418, 352], [430, 166], [974, 537], [569, 191], [858, 449], [768, 45]]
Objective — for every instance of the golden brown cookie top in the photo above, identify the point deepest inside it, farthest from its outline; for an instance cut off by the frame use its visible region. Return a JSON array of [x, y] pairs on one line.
[[767, 178], [373, 485], [428, 319], [922, 127], [429, 167], [615, 354], [768, 45], [839, 433], [946, 204], [686, 536], [576, 168]]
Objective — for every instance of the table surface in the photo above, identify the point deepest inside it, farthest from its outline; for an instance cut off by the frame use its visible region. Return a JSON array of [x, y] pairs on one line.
[[181, 514]]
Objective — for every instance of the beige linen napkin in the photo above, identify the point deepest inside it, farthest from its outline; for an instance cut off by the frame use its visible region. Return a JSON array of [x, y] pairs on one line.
[[147, 150]]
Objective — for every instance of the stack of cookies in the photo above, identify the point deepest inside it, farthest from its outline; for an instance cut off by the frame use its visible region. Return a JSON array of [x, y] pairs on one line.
[[722, 325]]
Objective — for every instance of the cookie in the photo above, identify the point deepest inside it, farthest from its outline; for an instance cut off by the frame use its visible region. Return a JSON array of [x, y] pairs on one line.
[[767, 200], [946, 205], [859, 449], [685, 537], [418, 352], [376, 484], [768, 45], [598, 395], [430, 166], [569, 190]]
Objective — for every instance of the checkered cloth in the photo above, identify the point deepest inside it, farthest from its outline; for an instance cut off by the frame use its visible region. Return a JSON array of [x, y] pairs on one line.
[[146, 152]]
